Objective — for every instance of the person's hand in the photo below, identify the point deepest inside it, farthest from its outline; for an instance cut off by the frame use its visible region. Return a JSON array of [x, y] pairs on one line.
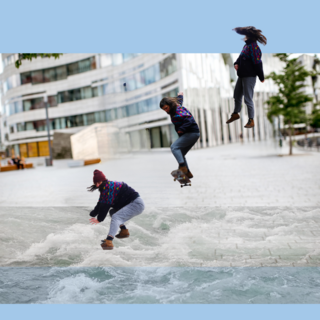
[[93, 221], [236, 66], [180, 93], [262, 81]]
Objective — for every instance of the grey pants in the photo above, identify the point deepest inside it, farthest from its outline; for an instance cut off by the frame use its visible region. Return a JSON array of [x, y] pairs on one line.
[[182, 146], [244, 87], [131, 210]]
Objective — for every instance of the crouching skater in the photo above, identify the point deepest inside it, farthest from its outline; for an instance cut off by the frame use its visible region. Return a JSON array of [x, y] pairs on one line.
[[123, 202]]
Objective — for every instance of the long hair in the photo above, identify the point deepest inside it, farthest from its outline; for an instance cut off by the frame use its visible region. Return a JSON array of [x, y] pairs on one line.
[[171, 102], [252, 33], [94, 187]]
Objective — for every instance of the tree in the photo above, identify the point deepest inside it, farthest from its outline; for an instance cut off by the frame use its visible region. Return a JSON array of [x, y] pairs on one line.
[[315, 116], [291, 99], [30, 56]]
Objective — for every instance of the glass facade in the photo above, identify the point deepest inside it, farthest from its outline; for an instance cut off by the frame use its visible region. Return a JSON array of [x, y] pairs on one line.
[[114, 59], [9, 60], [76, 94], [61, 72], [143, 106], [143, 78], [162, 137], [32, 104], [133, 82], [33, 149], [14, 107], [58, 73], [11, 82]]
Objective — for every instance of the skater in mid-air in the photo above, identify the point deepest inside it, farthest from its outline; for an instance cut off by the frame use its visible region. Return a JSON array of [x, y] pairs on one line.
[[248, 66], [123, 202], [185, 126]]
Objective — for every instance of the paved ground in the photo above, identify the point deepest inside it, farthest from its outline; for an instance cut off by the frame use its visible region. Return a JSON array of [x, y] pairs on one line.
[[246, 207], [233, 175]]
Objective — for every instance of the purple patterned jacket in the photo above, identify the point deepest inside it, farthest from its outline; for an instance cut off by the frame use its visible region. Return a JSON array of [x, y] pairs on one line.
[[183, 119], [249, 61], [113, 194]]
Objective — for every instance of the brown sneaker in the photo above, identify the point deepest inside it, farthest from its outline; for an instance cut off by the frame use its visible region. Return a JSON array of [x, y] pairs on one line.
[[250, 124], [107, 245], [234, 116], [189, 175], [184, 169], [124, 233]]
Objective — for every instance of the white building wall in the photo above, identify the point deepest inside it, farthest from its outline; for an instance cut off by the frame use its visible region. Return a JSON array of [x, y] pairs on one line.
[[205, 79]]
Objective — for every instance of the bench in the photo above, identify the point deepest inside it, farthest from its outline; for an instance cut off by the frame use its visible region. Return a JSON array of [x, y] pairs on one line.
[[92, 161], [12, 167]]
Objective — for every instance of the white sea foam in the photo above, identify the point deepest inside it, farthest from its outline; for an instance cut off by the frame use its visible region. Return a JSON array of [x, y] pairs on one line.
[[165, 237]]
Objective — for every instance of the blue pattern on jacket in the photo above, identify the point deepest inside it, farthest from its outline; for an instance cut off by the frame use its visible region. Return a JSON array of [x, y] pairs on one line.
[[183, 119]]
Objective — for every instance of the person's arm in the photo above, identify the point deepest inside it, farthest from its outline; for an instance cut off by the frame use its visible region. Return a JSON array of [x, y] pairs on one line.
[[180, 98], [256, 59], [237, 63], [102, 212], [95, 211]]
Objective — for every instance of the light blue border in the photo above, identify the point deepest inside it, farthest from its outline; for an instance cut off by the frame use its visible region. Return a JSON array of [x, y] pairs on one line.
[[156, 26], [159, 312]]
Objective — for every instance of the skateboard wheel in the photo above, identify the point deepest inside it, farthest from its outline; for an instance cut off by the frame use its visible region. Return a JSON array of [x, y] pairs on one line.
[[181, 186], [174, 179]]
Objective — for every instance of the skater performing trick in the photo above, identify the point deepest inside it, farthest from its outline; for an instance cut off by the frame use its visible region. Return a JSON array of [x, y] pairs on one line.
[[123, 202], [188, 132], [248, 66]]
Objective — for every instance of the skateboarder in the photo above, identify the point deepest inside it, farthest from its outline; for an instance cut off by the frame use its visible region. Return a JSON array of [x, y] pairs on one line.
[[248, 66], [186, 128], [125, 202]]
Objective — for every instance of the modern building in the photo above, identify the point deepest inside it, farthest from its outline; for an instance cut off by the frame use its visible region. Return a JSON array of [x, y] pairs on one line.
[[123, 91]]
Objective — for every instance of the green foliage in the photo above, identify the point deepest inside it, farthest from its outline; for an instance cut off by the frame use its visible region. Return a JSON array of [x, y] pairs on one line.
[[315, 118], [291, 99], [30, 56]]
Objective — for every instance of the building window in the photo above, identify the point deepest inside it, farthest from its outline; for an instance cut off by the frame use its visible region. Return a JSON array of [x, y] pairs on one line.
[[26, 77], [32, 149], [162, 137], [31, 104], [37, 77], [77, 94], [52, 101], [23, 150], [140, 107], [9, 60], [43, 147], [168, 66], [58, 73], [20, 127]]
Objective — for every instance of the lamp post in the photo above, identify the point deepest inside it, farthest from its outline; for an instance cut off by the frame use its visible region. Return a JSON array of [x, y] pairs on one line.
[[48, 163], [280, 134]]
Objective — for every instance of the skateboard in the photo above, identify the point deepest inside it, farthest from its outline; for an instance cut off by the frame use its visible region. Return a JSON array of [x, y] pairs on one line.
[[181, 177]]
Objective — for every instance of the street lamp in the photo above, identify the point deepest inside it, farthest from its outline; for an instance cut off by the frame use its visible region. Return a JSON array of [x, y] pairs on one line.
[[280, 134], [48, 163]]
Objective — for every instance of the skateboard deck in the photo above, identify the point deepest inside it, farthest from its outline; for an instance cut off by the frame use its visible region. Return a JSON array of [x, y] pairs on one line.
[[181, 177]]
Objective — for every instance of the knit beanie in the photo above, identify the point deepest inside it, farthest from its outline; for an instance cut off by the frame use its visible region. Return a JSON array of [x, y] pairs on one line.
[[98, 176]]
